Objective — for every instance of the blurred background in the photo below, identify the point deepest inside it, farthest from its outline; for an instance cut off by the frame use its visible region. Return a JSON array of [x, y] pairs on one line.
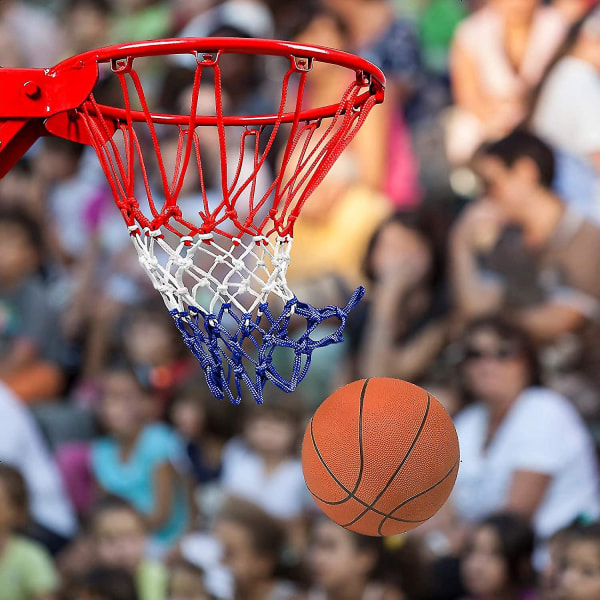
[[468, 205]]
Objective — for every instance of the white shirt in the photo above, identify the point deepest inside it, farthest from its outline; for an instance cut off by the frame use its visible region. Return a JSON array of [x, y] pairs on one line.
[[282, 493], [542, 433], [567, 114], [22, 447]]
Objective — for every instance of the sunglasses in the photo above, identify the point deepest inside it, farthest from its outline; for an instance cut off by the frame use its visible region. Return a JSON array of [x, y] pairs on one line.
[[502, 353]]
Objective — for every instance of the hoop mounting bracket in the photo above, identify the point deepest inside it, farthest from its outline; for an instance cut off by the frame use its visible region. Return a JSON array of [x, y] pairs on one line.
[[41, 93]]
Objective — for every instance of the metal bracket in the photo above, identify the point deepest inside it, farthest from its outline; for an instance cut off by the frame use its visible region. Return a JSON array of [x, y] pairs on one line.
[[302, 63], [207, 59], [41, 93]]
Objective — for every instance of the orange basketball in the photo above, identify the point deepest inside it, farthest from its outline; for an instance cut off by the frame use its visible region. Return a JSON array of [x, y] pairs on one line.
[[380, 456]]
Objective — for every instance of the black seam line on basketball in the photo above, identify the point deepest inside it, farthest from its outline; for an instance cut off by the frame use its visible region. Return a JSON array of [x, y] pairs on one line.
[[351, 494], [402, 463], [379, 529], [363, 391], [375, 510]]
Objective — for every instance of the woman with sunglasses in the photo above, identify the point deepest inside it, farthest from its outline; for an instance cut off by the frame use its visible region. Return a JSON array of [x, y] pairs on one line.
[[524, 448]]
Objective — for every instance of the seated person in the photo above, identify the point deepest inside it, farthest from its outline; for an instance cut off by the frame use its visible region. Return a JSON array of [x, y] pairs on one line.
[[138, 459], [26, 568], [30, 341], [522, 251]]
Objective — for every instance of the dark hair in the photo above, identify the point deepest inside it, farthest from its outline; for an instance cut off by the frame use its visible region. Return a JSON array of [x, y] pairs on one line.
[[102, 6], [102, 583], [276, 404], [155, 311], [517, 541], [16, 217], [584, 533], [16, 490], [398, 561], [507, 331], [266, 533], [221, 418], [522, 144], [339, 22], [106, 504], [431, 223], [120, 364]]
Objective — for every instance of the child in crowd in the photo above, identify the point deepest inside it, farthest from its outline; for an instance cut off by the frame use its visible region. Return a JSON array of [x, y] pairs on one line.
[[102, 583], [186, 582], [205, 425], [26, 569], [30, 348], [344, 564], [550, 575], [252, 544], [263, 465], [119, 539], [138, 459], [497, 563], [579, 578], [155, 350]]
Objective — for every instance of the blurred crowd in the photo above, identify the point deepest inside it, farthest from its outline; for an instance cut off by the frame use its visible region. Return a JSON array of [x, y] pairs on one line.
[[468, 205]]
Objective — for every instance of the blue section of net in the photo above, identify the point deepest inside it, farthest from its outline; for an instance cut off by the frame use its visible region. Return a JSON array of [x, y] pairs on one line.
[[236, 351]]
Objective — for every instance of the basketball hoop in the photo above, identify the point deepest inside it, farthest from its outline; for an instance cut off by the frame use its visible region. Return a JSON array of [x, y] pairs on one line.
[[217, 263]]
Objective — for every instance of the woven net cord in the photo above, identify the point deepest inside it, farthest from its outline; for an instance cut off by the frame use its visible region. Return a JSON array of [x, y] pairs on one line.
[[218, 264]]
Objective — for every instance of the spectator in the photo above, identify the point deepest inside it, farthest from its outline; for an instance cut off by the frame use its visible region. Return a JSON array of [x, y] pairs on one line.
[[511, 459], [520, 250], [35, 33], [205, 426], [30, 344], [384, 39], [20, 189], [406, 322], [575, 133], [102, 584], [120, 541], [26, 569], [186, 582], [252, 17], [252, 546], [381, 152], [498, 56], [574, 10], [497, 563], [551, 575], [22, 446], [263, 465], [138, 460], [86, 24], [331, 238], [580, 579], [344, 564], [156, 353]]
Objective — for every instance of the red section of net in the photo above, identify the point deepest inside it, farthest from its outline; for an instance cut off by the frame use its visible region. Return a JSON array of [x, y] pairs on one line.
[[312, 146]]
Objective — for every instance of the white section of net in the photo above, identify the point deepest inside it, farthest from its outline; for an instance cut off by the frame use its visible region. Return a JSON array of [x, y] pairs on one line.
[[206, 273]]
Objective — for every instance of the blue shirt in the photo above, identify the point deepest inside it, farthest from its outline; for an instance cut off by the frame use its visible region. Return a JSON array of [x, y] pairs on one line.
[[133, 479]]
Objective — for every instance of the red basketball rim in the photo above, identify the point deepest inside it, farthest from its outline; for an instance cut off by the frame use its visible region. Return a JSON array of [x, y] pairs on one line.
[[121, 56]]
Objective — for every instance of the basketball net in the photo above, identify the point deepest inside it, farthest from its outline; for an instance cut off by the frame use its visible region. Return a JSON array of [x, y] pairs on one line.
[[219, 263]]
